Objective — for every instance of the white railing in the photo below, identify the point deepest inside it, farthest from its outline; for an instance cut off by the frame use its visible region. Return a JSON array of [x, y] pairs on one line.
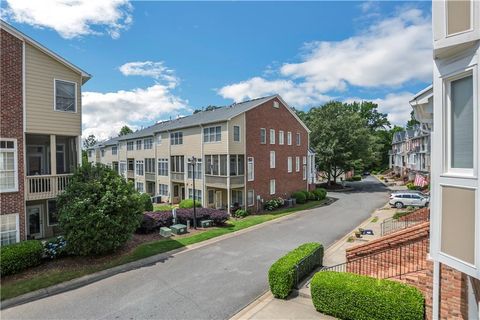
[[45, 186]]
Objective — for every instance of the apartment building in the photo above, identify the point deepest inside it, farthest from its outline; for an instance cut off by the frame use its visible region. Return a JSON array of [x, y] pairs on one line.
[[455, 205], [244, 154], [40, 134], [398, 153]]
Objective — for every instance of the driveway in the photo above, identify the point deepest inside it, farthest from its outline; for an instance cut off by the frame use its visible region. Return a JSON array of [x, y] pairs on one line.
[[211, 282]]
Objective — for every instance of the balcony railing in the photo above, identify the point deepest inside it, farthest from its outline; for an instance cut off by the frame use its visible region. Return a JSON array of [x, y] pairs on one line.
[[45, 186], [392, 225], [221, 181], [178, 176]]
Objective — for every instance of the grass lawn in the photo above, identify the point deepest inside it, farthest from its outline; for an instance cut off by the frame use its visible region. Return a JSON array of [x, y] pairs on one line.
[[52, 277], [161, 207]]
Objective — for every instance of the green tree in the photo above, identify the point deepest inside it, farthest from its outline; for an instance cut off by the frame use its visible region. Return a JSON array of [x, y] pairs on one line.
[[208, 108], [89, 142], [98, 211], [125, 130], [412, 122], [368, 110]]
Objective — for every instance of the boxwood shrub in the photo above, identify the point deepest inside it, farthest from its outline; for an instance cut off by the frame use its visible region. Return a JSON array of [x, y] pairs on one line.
[[188, 203], [20, 256], [299, 197], [352, 296], [320, 193], [281, 276]]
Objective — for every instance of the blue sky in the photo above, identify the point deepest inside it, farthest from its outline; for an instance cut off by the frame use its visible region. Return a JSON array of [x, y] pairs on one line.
[[154, 60]]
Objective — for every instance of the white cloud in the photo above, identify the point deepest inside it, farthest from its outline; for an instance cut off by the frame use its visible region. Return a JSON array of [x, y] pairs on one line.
[[72, 18], [156, 70], [105, 113], [389, 54]]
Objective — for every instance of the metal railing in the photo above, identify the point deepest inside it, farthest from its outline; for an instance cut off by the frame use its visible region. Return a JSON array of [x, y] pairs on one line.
[[307, 264], [392, 225], [45, 186], [389, 263]]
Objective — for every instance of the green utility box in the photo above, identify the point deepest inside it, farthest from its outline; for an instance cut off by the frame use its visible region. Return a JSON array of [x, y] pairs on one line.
[[179, 228], [206, 223], [165, 232]]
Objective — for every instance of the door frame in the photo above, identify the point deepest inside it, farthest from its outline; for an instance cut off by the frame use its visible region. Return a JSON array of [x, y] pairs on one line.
[[218, 192], [41, 218]]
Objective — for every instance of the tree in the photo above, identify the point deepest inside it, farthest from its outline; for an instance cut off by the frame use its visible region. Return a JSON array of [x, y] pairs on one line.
[[208, 108], [98, 211], [125, 130], [412, 122], [89, 142], [368, 110]]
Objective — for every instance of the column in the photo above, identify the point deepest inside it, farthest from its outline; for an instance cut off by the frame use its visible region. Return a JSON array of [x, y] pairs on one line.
[[53, 154]]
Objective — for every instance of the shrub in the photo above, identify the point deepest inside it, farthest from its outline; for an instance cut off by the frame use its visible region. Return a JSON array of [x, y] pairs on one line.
[[355, 178], [273, 204], [299, 197], [20, 256], [240, 213], [154, 220], [412, 186], [281, 276], [306, 194], [351, 296], [320, 193], [55, 248], [219, 217], [188, 203], [146, 201], [98, 211], [312, 196]]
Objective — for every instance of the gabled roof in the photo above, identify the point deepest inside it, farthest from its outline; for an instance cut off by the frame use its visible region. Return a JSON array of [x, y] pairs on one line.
[[399, 136], [22, 36]]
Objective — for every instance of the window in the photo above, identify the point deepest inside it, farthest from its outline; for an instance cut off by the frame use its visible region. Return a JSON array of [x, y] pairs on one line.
[[130, 145], [159, 138], [198, 194], [8, 166], [272, 159], [216, 165], [65, 96], [281, 137], [298, 139], [240, 164], [139, 167], [89, 153], [304, 160], [237, 197], [147, 143], [103, 152], [52, 217], [289, 138], [150, 165], [114, 150], [236, 133], [272, 186], [176, 138], [289, 164], [177, 164], [131, 164], [9, 229], [140, 186], [163, 167], [212, 134], [304, 172], [237, 165], [250, 198], [275, 104], [263, 135], [250, 169], [458, 16], [461, 114], [272, 136], [123, 168], [297, 164], [211, 196], [163, 189], [198, 169], [139, 144]]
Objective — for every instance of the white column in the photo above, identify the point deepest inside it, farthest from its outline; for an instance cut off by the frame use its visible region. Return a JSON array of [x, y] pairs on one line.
[[436, 290], [228, 184], [79, 150], [53, 155]]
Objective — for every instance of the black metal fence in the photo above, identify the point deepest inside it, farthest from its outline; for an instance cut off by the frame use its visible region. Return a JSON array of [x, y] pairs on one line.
[[307, 265], [392, 225]]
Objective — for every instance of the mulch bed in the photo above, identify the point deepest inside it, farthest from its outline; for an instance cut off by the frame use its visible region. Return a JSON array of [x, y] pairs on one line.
[[332, 186]]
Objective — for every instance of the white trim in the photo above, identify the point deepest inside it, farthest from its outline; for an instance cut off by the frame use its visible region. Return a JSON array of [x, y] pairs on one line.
[[41, 222], [17, 225], [253, 198], [272, 190], [55, 95], [272, 160], [239, 134], [15, 163], [253, 169]]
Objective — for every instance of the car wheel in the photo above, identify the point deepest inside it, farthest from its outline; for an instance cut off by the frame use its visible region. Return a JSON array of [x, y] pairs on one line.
[[398, 205], [427, 204]]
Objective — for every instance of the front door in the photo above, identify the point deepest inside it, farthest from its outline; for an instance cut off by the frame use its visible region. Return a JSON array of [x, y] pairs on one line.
[[35, 221], [183, 192], [218, 200]]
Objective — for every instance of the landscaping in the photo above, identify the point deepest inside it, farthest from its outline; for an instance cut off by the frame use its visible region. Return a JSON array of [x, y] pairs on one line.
[[351, 296]]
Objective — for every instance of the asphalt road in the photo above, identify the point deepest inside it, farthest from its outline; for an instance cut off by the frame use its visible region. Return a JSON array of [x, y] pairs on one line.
[[211, 282]]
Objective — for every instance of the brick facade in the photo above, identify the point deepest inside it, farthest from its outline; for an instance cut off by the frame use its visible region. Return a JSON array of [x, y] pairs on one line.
[[268, 117], [11, 118]]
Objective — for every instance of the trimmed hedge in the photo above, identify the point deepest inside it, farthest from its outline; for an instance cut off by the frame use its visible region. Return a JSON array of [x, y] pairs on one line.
[[352, 296], [20, 256], [299, 197], [281, 276], [320, 193], [188, 203]]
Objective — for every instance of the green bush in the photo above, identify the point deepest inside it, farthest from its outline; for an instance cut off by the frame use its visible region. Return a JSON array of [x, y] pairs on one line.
[[240, 213], [98, 211], [273, 204], [320, 193], [355, 178], [281, 276], [305, 193], [351, 296], [147, 202], [20, 256], [312, 196], [188, 204], [299, 197]]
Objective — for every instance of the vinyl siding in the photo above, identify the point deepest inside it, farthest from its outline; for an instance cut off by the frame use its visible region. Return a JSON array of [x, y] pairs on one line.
[[234, 146]]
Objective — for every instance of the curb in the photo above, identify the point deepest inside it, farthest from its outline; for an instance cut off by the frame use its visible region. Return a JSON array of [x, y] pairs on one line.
[[97, 276]]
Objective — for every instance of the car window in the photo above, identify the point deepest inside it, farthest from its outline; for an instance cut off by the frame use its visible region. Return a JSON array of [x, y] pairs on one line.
[[407, 196]]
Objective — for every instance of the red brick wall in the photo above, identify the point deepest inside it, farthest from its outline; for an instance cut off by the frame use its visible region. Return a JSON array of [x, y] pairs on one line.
[[11, 118], [422, 214], [268, 117]]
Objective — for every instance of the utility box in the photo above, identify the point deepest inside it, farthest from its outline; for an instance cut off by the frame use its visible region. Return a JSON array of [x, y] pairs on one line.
[[206, 223], [179, 229], [165, 232]]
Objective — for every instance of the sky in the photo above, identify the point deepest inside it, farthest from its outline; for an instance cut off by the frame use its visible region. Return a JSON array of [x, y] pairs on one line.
[[156, 60]]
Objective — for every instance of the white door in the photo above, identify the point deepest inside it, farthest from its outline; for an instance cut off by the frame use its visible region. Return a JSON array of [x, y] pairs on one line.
[[218, 200], [35, 221]]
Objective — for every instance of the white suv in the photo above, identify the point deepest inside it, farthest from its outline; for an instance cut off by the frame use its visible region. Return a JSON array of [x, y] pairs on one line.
[[403, 199]]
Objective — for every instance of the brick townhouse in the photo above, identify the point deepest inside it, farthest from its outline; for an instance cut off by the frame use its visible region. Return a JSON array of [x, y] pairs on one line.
[[246, 153], [40, 121]]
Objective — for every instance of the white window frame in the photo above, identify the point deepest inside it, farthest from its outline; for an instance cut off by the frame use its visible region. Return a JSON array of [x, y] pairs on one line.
[[263, 136], [17, 226], [138, 187], [130, 145], [250, 170], [289, 164], [472, 20], [281, 137], [272, 160], [297, 164], [272, 136], [163, 189], [239, 136], [272, 186], [212, 137], [159, 138], [289, 138], [298, 139], [198, 195], [239, 198], [176, 138], [116, 150], [250, 204], [55, 95], [163, 162], [447, 169], [137, 164], [138, 146], [15, 163], [149, 144], [276, 105]]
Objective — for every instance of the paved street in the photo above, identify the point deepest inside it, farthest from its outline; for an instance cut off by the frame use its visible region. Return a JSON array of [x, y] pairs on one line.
[[212, 282]]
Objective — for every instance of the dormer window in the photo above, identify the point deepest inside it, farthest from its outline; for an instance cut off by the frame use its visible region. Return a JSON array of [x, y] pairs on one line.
[[65, 96]]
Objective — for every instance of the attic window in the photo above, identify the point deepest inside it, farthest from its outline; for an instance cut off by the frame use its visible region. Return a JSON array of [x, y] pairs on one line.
[[275, 104]]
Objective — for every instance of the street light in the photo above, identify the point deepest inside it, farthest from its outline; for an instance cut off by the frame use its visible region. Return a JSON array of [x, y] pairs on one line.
[[193, 162]]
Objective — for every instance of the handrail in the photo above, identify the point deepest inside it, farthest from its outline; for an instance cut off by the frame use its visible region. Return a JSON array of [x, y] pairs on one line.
[[391, 225]]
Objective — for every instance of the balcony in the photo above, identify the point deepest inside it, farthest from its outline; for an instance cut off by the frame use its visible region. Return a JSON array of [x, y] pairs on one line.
[[221, 181], [178, 176], [45, 186], [130, 174], [150, 176]]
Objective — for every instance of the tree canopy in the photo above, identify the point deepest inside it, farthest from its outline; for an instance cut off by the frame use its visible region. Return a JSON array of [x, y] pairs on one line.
[[89, 142], [125, 130]]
